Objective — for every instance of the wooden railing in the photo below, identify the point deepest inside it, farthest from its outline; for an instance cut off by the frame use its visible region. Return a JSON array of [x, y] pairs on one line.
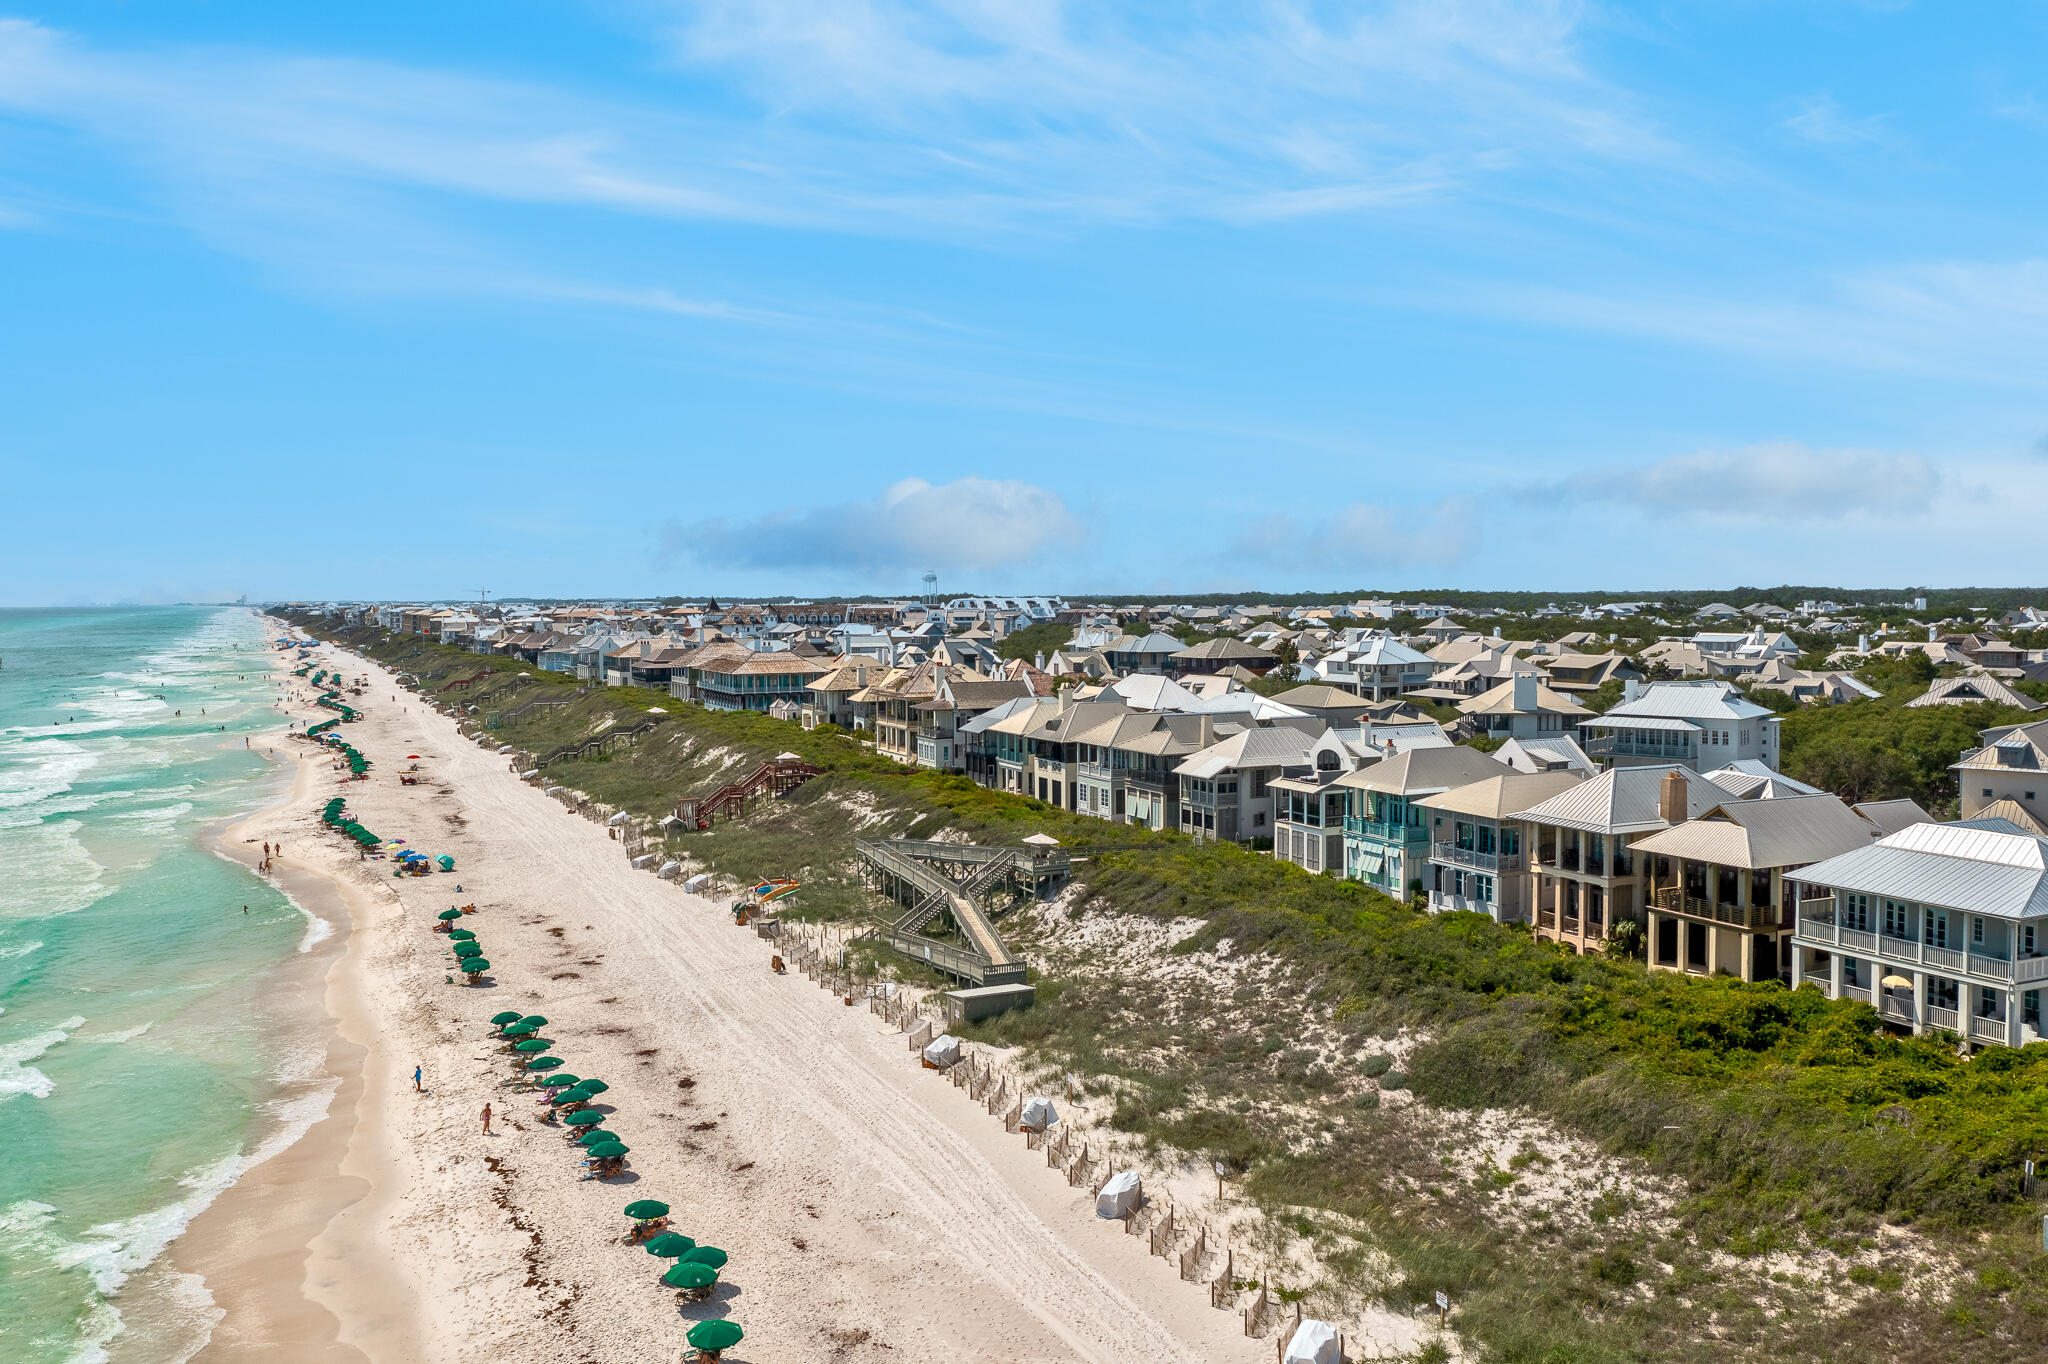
[[597, 743], [776, 777]]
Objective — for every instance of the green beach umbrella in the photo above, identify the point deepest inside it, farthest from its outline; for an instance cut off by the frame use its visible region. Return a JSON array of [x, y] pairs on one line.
[[594, 1136], [520, 1030], [469, 949], [533, 1044], [707, 1255], [449, 914], [647, 1208], [509, 1016], [593, 1087], [544, 1063], [688, 1275], [715, 1335], [571, 1095], [670, 1244], [460, 933], [606, 1150], [584, 1119], [474, 966], [554, 1080], [536, 1020]]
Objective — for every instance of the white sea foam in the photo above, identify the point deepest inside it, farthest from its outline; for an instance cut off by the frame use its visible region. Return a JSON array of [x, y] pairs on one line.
[[17, 1076], [20, 949], [49, 871], [112, 1252], [38, 769], [116, 1038]]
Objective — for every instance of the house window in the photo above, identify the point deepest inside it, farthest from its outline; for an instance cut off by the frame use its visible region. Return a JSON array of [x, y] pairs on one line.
[[1482, 887], [1936, 928], [1895, 920], [2027, 940], [1987, 793], [1976, 929]]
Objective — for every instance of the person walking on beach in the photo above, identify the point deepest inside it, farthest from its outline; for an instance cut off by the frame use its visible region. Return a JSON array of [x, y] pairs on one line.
[[416, 1081], [487, 1120]]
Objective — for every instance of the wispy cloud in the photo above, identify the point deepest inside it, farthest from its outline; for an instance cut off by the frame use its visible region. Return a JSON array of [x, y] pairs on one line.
[[970, 525], [1250, 110], [1979, 322], [1818, 118], [1361, 535], [1777, 481]]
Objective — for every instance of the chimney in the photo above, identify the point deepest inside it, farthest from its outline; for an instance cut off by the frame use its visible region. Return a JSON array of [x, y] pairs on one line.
[[1631, 688], [1863, 644], [1525, 692], [1930, 634], [860, 675], [1671, 798], [1205, 732]]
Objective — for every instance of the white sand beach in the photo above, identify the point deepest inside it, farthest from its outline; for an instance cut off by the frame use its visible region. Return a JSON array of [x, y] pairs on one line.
[[871, 1210]]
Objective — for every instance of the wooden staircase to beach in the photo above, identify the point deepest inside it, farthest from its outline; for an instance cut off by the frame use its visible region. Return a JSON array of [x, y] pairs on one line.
[[499, 718], [465, 683], [776, 777], [597, 743]]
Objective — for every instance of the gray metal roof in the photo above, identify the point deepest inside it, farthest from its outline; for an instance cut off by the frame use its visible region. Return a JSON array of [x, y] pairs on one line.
[[1788, 832], [1981, 870], [1648, 722], [1624, 801]]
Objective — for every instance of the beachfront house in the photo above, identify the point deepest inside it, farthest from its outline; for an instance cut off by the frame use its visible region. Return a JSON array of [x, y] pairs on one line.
[[755, 681], [1226, 787], [1587, 876], [1937, 926], [1721, 886], [1386, 834], [1477, 842]]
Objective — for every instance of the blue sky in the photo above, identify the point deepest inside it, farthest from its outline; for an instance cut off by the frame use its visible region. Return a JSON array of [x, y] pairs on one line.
[[635, 298]]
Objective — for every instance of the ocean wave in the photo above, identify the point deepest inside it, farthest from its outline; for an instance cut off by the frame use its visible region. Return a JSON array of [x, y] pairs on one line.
[[111, 1039], [17, 1076], [20, 949], [49, 871], [112, 1252], [41, 768]]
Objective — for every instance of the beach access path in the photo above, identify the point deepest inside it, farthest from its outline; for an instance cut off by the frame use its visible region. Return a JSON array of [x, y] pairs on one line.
[[871, 1210]]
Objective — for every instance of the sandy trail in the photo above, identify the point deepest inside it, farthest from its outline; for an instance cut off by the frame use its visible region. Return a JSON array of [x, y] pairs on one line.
[[872, 1211]]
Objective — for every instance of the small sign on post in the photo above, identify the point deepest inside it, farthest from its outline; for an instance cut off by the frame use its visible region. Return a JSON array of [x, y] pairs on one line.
[[1443, 1304], [1219, 1181]]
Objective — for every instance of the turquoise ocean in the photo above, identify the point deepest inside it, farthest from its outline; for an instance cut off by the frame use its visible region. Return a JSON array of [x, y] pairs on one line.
[[144, 1064]]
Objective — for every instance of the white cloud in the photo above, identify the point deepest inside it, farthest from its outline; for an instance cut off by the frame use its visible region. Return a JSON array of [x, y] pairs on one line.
[[1777, 481], [1977, 322], [1817, 118], [966, 526], [1361, 535]]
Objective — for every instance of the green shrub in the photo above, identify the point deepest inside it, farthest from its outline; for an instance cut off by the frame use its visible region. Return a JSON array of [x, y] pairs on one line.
[[1377, 1064]]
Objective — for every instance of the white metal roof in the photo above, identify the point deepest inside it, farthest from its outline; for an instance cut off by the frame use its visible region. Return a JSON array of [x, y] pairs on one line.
[[1981, 870], [1691, 700], [1645, 722]]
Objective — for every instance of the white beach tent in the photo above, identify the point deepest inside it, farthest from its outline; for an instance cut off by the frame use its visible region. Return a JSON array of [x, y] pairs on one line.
[[1038, 1114], [943, 1050], [1121, 1196], [698, 884], [670, 870], [1313, 1342]]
